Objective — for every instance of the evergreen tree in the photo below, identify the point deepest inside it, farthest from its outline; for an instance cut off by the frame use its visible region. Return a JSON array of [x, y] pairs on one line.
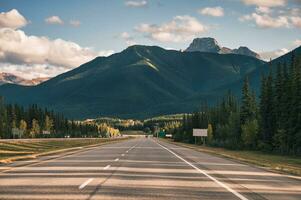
[[248, 105], [268, 125]]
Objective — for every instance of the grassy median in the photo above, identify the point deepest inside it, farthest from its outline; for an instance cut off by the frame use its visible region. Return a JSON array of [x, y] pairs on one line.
[[286, 164], [29, 148]]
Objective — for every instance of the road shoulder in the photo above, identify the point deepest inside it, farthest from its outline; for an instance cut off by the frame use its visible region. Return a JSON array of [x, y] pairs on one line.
[[254, 159], [29, 160]]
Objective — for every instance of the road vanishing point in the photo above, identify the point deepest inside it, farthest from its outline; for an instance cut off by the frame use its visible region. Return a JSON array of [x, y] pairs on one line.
[[143, 168]]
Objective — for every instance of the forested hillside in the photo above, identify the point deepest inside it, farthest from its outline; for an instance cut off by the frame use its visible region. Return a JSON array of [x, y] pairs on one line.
[[34, 122], [139, 82], [271, 123]]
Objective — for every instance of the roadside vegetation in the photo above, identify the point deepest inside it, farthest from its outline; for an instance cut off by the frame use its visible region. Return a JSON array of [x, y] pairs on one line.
[[271, 123], [281, 163], [35, 122], [29, 148]]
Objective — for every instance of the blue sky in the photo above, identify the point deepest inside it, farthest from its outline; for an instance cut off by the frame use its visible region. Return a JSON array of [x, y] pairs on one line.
[[101, 27]]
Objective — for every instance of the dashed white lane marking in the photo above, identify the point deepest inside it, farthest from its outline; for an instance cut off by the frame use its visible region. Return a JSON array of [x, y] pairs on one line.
[[84, 184], [203, 172], [107, 167], [131, 148], [116, 159], [122, 154]]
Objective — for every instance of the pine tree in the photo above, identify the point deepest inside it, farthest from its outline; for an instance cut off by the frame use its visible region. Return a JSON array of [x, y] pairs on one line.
[[280, 136], [270, 118], [248, 114], [266, 113], [294, 105], [248, 106], [2, 118]]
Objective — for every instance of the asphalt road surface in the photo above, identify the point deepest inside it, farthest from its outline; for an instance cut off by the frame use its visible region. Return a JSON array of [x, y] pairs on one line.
[[144, 168]]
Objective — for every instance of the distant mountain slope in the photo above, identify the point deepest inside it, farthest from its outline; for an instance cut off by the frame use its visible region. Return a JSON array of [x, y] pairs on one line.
[[141, 81], [211, 45], [13, 79], [255, 76]]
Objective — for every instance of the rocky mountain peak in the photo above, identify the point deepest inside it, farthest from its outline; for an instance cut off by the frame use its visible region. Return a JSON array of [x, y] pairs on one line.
[[209, 44], [204, 45], [246, 51], [14, 79]]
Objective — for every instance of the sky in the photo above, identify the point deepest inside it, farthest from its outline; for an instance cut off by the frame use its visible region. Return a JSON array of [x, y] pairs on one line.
[[49, 37]]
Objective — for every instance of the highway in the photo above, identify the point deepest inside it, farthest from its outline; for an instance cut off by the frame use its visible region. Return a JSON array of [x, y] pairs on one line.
[[143, 168]]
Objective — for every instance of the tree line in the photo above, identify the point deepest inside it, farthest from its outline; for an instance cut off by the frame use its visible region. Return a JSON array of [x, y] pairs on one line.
[[35, 122], [270, 121]]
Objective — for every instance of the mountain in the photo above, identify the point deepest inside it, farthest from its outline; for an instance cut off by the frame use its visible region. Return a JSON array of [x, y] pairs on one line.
[[256, 75], [10, 78], [37, 81], [204, 45], [245, 51], [13, 79], [139, 82], [211, 45]]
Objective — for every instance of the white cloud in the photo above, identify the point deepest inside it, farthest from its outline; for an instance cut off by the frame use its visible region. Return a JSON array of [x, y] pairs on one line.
[[37, 56], [295, 11], [179, 29], [105, 53], [32, 71], [12, 19], [265, 3], [279, 52], [297, 43], [136, 4], [262, 9], [125, 35], [212, 11], [129, 40], [17, 47], [273, 54], [296, 21], [54, 20], [75, 23], [266, 21], [265, 17], [33, 52]]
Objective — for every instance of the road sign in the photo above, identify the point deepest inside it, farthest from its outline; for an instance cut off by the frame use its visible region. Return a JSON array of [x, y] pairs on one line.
[[200, 132], [46, 132], [162, 134]]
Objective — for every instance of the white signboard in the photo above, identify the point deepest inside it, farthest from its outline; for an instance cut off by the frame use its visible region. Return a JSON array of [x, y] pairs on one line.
[[46, 132], [200, 132]]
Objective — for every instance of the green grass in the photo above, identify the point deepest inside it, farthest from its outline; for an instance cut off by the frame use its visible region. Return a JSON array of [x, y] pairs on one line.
[[19, 149], [279, 163]]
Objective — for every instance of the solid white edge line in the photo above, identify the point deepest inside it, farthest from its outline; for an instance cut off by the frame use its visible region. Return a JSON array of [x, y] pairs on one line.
[[84, 184], [203, 172], [107, 167]]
